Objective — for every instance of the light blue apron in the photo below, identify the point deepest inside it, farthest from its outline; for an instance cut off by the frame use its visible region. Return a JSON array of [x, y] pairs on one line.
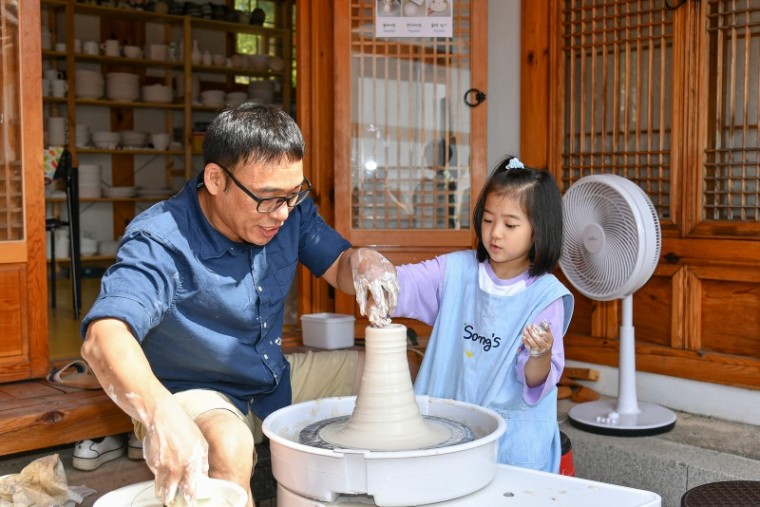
[[472, 355]]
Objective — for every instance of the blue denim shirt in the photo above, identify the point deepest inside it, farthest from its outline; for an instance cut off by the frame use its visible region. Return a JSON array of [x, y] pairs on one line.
[[208, 311]]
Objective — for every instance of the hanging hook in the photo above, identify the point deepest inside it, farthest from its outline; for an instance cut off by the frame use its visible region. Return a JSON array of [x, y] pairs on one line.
[[480, 97]]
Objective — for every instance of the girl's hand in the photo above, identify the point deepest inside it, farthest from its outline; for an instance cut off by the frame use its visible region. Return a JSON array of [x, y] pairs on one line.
[[538, 340]]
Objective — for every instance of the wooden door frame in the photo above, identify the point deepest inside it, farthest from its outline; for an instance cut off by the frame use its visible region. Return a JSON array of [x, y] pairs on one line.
[[26, 258]]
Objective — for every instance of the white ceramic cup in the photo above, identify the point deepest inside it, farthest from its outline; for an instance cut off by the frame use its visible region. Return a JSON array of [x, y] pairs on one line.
[[56, 129], [132, 52], [91, 47], [45, 87], [59, 87], [60, 46], [160, 141], [52, 74], [111, 47], [83, 135], [47, 41], [157, 51]]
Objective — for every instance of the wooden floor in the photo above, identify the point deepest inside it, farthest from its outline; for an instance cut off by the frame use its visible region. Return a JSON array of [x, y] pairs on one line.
[[35, 414], [65, 340]]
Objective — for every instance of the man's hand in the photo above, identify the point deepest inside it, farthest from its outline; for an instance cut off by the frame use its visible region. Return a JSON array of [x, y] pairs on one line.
[[374, 273], [177, 454]]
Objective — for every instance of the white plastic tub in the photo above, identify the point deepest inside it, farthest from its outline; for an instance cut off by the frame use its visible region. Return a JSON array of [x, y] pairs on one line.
[[328, 330], [397, 478]]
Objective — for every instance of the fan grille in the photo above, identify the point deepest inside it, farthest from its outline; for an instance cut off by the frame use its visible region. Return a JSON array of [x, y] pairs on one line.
[[611, 237]]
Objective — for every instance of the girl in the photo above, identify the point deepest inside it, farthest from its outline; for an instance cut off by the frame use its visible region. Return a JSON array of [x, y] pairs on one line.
[[498, 315]]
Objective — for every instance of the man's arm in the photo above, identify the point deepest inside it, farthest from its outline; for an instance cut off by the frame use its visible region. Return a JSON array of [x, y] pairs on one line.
[[174, 447], [339, 274]]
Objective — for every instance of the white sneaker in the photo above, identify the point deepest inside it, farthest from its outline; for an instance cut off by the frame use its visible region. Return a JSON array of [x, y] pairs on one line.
[[134, 448], [90, 454]]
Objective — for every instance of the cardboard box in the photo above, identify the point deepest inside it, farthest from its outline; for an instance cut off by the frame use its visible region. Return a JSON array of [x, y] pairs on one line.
[[328, 330]]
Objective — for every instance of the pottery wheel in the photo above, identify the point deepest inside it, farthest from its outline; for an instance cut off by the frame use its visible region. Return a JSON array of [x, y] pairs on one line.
[[311, 435]]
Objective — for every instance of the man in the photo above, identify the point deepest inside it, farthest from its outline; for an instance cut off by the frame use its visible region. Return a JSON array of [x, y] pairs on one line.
[[185, 335]]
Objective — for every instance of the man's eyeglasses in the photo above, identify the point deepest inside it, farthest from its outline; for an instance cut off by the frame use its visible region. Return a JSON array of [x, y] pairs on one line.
[[271, 204]]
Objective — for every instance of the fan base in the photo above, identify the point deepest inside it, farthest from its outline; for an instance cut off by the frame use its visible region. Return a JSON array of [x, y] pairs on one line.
[[600, 417]]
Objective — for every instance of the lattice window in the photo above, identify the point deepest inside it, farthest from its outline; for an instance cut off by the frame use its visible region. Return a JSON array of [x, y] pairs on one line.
[[11, 178], [410, 132], [731, 175], [618, 59]]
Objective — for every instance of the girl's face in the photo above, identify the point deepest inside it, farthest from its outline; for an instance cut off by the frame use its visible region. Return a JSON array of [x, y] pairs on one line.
[[507, 236]]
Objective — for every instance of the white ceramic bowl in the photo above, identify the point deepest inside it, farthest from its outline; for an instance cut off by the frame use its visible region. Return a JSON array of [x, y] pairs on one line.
[[234, 99], [157, 93], [133, 138], [213, 98], [105, 140], [210, 492], [276, 63]]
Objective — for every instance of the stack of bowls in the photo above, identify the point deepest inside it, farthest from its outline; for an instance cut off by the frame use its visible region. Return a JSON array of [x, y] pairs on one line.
[[133, 139], [234, 99], [157, 93], [213, 98], [89, 180], [261, 91], [257, 62], [276, 63], [122, 86], [105, 140], [89, 84]]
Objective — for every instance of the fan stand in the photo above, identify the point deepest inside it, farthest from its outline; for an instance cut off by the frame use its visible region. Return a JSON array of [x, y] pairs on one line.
[[628, 418]]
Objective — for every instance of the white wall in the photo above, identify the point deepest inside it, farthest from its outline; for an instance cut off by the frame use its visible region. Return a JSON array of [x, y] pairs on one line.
[[503, 93]]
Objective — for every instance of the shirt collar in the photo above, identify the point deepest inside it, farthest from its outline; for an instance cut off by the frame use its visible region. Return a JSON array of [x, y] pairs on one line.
[[211, 243]]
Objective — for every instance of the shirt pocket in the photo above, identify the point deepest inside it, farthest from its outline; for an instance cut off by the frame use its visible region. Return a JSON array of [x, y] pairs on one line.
[[528, 440], [276, 287]]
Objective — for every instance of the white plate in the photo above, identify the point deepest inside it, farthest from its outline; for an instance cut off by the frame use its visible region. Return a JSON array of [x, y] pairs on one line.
[[211, 492]]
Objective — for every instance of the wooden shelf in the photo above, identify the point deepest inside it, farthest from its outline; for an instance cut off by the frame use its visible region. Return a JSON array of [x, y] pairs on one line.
[[112, 199], [84, 258]]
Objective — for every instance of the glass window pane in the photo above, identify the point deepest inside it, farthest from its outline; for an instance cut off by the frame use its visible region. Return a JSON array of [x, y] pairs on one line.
[[410, 146]]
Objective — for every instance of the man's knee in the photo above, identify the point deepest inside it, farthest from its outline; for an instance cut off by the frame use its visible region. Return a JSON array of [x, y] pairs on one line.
[[230, 441]]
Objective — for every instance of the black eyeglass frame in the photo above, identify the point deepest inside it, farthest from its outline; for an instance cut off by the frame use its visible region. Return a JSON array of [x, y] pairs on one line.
[[291, 200]]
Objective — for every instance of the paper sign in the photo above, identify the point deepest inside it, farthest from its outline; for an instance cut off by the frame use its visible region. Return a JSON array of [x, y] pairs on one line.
[[413, 18]]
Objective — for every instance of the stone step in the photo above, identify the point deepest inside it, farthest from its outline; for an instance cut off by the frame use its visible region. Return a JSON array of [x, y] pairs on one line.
[[697, 451]]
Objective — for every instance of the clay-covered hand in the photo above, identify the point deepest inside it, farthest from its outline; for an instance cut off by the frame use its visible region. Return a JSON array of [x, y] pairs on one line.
[[538, 340], [177, 454], [375, 274]]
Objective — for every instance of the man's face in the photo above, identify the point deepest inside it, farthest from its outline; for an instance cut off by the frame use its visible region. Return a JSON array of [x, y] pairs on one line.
[[233, 213]]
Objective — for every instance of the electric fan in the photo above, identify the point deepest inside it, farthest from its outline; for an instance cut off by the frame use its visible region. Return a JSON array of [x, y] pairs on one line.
[[610, 249]]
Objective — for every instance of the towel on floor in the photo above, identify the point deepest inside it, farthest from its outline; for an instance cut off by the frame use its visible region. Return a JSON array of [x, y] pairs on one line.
[[42, 483]]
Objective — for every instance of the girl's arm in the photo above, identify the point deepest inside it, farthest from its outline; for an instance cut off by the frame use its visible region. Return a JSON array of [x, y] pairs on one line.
[[541, 374], [420, 288]]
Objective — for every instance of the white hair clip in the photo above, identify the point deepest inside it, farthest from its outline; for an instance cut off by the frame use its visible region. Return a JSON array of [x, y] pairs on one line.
[[514, 163]]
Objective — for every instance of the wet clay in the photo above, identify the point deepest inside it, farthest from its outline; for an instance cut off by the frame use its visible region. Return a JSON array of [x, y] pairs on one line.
[[386, 416]]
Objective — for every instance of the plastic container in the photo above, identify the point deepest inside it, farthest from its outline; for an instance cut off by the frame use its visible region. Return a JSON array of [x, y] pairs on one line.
[[328, 330]]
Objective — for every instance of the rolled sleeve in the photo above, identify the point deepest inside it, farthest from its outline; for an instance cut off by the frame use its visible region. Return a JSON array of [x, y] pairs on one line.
[[319, 244], [139, 288]]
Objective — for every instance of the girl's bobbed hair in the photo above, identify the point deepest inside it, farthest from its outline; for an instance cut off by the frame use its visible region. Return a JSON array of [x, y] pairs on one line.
[[538, 195]]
